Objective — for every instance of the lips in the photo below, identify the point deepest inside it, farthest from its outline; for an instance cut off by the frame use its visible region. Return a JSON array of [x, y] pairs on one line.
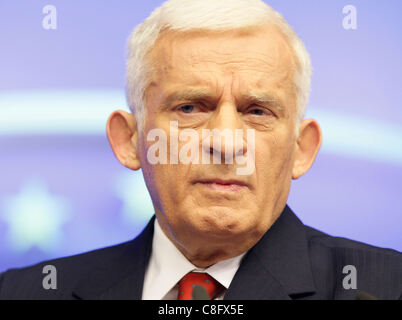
[[223, 185]]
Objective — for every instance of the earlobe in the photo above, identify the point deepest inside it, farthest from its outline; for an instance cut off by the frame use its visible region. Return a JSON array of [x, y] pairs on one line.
[[308, 145], [122, 134]]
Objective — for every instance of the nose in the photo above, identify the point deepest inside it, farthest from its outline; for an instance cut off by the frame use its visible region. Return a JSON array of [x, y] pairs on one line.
[[223, 138]]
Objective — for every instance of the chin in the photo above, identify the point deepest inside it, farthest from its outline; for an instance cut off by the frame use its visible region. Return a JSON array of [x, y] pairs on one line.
[[223, 221]]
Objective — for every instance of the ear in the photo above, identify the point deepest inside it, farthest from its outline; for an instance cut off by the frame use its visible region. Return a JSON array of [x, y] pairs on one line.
[[122, 134], [307, 146]]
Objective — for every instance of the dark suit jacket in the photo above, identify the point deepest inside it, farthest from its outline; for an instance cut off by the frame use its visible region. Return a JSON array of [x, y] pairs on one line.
[[291, 261]]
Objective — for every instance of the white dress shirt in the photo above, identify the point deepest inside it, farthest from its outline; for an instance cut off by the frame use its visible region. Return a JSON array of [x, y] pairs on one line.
[[168, 265]]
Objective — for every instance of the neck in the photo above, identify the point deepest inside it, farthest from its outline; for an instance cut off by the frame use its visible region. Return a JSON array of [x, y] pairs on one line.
[[204, 252]]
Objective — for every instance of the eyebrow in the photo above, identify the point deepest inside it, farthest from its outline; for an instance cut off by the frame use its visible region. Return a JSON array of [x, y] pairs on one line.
[[191, 94], [198, 94], [264, 98]]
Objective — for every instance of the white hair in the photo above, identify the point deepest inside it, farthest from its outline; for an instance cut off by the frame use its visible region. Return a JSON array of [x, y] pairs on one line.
[[212, 15]]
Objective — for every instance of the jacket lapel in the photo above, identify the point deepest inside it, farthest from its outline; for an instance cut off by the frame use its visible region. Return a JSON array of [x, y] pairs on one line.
[[122, 277], [278, 266]]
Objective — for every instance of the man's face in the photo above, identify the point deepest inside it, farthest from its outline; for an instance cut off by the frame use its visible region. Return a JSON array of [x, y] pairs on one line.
[[230, 80]]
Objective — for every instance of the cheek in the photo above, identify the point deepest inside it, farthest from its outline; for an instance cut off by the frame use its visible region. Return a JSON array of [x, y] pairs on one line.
[[164, 181], [154, 174], [274, 158]]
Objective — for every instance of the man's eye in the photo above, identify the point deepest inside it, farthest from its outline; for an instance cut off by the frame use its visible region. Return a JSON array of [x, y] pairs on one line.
[[257, 112], [188, 108]]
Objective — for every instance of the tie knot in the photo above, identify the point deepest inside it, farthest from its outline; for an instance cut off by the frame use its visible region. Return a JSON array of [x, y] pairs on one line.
[[190, 280]]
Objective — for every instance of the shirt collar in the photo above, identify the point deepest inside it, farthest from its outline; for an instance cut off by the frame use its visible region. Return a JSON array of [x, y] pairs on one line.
[[168, 265]]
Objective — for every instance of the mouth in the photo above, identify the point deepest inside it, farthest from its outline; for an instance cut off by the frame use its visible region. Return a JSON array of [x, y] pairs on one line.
[[223, 185]]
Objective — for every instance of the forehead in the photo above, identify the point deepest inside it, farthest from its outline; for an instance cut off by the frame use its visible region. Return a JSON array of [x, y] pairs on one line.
[[257, 57]]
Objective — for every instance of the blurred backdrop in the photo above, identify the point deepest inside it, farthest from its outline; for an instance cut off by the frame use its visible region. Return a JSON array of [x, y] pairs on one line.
[[62, 191]]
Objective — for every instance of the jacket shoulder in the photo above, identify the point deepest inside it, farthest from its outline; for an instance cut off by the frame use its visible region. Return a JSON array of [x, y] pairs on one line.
[[86, 275], [378, 270], [331, 242], [27, 282]]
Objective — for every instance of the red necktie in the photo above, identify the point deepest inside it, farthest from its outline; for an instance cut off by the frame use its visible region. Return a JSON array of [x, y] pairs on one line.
[[188, 282]]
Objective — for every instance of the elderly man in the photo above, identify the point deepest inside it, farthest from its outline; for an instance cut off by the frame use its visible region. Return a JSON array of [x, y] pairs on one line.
[[216, 87]]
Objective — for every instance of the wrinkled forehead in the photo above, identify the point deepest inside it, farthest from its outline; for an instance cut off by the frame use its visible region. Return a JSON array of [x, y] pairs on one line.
[[253, 49], [247, 60]]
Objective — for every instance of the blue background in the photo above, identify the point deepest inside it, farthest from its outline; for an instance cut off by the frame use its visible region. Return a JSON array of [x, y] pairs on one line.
[[62, 191]]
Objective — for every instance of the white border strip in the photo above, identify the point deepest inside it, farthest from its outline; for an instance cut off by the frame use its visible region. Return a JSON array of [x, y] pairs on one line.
[[69, 112]]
